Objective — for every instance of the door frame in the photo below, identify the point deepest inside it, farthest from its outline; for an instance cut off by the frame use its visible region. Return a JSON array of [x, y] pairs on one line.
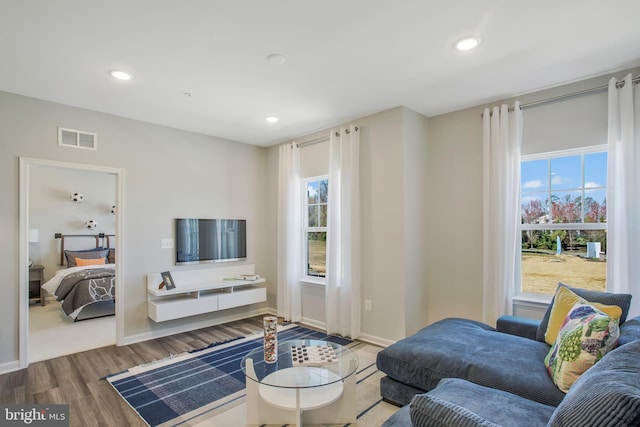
[[26, 164]]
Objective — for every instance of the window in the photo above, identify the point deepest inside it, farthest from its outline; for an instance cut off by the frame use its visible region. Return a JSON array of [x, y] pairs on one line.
[[564, 220], [315, 226]]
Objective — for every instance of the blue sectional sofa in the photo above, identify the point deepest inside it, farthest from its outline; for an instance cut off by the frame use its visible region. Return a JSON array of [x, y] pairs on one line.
[[459, 372]]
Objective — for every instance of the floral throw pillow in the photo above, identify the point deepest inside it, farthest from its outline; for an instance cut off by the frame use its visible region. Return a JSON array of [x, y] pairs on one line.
[[586, 335]]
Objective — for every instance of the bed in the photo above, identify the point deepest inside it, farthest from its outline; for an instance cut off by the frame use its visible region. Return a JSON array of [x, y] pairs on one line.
[[85, 285]]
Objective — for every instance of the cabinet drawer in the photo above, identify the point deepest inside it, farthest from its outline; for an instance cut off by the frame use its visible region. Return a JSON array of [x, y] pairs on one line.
[[174, 308], [242, 296]]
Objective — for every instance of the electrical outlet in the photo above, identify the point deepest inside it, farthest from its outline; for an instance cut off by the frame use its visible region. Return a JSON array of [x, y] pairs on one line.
[[368, 305], [166, 243]]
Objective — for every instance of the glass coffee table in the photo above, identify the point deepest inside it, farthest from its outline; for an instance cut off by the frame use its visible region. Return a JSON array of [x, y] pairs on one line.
[[319, 389]]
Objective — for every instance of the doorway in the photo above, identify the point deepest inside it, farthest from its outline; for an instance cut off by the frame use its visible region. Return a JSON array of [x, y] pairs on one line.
[[27, 168]]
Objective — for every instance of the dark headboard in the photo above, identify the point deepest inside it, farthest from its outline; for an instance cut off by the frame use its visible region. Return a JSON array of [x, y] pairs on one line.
[[99, 239]]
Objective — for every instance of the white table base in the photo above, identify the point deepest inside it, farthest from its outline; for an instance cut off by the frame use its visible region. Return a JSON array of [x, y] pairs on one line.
[[332, 403]]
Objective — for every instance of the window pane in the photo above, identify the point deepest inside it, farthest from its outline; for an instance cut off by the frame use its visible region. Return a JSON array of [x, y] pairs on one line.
[[595, 206], [312, 192], [579, 261], [317, 253], [534, 209], [566, 206], [534, 175], [313, 216], [323, 191], [595, 170], [566, 173], [322, 220]]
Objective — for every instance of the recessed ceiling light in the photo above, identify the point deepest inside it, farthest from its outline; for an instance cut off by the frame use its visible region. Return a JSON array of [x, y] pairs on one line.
[[276, 59], [467, 43], [271, 119], [120, 75]]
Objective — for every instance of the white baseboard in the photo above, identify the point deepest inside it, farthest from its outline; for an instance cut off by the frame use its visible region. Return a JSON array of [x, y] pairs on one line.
[[7, 367], [314, 323], [372, 339], [132, 339]]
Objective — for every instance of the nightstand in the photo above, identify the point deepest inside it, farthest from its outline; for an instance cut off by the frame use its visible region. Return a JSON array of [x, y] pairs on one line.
[[36, 279]]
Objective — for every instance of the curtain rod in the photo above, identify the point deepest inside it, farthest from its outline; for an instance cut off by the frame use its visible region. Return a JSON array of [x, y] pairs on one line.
[[313, 141], [581, 92], [619, 84], [323, 138]]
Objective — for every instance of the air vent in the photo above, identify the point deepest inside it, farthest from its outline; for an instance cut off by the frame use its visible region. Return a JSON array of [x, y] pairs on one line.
[[77, 139]]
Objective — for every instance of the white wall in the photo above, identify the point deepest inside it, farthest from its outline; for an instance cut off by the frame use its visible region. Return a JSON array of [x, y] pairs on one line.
[[416, 205], [383, 228], [454, 216], [168, 173]]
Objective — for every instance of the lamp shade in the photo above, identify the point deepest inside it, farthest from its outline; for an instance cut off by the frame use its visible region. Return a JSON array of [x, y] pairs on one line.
[[33, 235]]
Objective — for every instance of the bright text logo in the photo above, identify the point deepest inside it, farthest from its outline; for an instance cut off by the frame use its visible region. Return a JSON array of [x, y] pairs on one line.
[[36, 415]]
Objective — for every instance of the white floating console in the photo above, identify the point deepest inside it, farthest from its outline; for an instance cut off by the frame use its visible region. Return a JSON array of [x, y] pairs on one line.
[[202, 291]]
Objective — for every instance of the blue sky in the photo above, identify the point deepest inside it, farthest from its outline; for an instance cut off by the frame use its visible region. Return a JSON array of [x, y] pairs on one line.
[[563, 175]]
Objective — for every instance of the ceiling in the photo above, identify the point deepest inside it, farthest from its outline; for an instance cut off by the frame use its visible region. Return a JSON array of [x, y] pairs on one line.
[[344, 59]]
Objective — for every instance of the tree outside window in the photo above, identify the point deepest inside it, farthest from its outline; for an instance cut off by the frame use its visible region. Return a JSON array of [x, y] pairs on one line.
[[316, 226], [564, 220]]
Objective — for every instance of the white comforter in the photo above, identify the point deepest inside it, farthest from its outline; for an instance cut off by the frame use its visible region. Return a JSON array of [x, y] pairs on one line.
[[54, 282]]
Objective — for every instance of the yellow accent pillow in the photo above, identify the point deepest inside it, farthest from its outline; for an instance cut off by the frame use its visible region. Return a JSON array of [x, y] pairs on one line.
[[81, 262], [563, 301], [587, 335]]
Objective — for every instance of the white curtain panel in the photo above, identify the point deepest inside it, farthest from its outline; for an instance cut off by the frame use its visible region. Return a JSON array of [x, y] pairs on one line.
[[502, 139], [343, 251], [623, 192], [289, 240]]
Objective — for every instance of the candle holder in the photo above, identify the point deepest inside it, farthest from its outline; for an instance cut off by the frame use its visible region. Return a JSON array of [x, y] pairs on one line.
[[270, 324]]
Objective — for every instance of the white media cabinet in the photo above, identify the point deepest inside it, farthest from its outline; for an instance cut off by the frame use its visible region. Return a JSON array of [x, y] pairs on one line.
[[202, 291]]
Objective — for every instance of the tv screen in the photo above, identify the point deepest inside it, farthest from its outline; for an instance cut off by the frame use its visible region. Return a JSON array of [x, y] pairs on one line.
[[210, 240]]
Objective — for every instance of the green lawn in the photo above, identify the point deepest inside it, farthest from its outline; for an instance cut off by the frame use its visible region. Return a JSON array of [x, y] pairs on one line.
[[542, 272], [317, 257]]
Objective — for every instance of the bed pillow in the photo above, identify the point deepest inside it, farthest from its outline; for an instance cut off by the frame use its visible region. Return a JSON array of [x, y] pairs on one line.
[[586, 336], [563, 302], [81, 262], [89, 254]]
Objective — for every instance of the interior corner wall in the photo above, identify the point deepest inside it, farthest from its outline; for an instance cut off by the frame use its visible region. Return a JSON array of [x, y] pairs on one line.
[[169, 173], [415, 204], [454, 216], [382, 224], [382, 180]]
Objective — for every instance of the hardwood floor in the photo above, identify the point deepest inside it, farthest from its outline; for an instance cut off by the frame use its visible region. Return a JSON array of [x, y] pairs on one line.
[[77, 379]]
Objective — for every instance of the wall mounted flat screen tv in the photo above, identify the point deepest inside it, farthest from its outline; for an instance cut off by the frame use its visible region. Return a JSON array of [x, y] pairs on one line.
[[210, 240]]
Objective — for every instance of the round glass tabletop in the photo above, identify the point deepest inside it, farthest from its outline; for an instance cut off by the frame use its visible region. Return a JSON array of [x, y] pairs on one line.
[[301, 364]]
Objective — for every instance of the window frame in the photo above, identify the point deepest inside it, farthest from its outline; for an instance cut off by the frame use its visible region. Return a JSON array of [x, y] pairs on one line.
[[306, 229], [582, 151]]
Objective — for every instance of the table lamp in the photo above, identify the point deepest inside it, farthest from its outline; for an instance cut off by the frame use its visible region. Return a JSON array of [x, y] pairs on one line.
[[33, 238]]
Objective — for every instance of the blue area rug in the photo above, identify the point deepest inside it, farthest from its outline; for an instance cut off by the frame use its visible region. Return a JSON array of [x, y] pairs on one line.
[[174, 388]]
